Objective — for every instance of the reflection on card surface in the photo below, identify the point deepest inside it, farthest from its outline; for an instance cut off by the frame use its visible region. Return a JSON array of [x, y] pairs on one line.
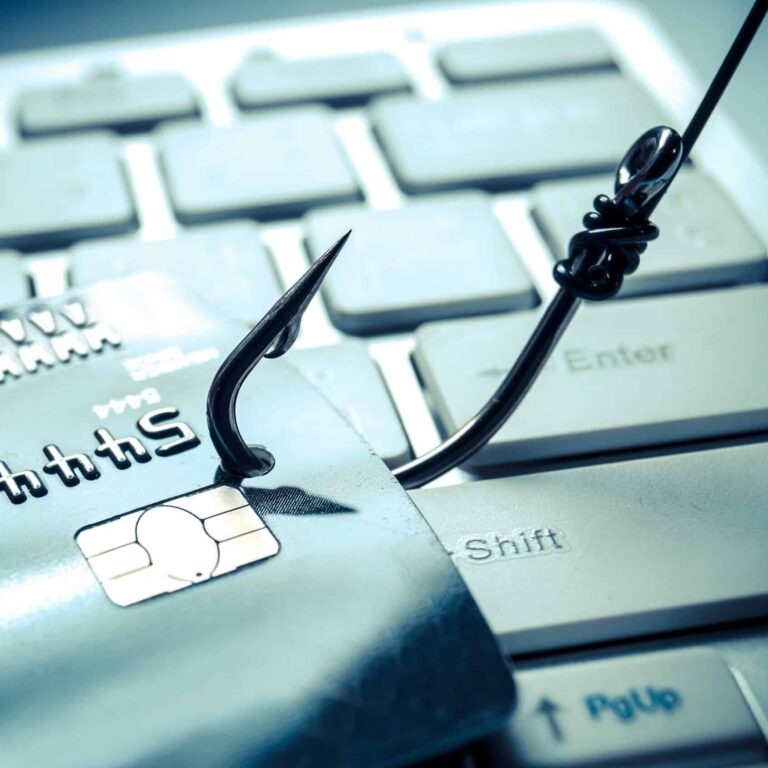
[[172, 545]]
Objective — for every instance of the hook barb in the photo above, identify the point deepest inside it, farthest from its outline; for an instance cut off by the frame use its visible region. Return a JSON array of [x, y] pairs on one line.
[[272, 337]]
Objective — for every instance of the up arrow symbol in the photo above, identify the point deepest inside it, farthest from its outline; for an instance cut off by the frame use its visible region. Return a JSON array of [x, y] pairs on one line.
[[548, 709]]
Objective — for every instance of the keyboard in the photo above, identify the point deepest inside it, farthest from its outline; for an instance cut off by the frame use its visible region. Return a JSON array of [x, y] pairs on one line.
[[613, 532]]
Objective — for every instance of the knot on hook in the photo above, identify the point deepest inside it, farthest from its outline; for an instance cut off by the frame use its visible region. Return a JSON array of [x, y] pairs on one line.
[[619, 229], [600, 255]]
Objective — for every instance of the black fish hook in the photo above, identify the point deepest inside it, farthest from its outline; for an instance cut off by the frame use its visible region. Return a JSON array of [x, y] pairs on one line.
[[273, 336], [599, 257]]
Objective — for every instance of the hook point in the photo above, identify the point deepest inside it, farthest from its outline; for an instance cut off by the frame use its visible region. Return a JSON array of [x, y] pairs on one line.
[[272, 336]]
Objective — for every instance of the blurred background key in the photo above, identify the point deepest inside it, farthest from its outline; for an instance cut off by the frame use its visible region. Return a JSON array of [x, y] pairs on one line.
[[567, 51], [704, 241], [512, 135], [337, 81], [348, 376], [226, 264], [63, 190], [105, 101], [213, 173], [14, 284], [443, 257]]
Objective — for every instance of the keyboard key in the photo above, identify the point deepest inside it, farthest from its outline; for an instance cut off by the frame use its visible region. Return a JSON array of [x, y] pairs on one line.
[[63, 190], [628, 374], [14, 285], [435, 258], [703, 242], [544, 53], [341, 81], [649, 709], [512, 135], [347, 375], [225, 264], [273, 165], [105, 102], [588, 555]]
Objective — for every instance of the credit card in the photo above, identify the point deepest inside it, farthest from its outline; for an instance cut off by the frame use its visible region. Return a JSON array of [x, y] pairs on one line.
[[147, 320], [343, 636]]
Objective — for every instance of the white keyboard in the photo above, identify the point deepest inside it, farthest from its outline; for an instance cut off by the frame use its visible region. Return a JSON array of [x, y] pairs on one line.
[[613, 532]]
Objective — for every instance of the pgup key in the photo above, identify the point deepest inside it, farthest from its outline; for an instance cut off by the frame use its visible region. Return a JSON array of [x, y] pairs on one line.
[[633, 703], [644, 710]]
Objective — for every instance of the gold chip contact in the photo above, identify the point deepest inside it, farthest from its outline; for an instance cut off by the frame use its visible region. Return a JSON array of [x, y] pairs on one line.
[[175, 544]]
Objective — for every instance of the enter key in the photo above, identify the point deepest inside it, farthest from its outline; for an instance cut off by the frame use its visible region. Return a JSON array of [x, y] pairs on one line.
[[678, 707]]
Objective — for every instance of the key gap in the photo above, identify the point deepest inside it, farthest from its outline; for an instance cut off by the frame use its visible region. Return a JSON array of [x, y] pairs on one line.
[[393, 359], [753, 702], [611, 457], [704, 634], [142, 163], [512, 211], [417, 57], [379, 187], [48, 274]]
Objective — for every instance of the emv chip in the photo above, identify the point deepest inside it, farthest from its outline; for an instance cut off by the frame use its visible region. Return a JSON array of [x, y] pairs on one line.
[[175, 544]]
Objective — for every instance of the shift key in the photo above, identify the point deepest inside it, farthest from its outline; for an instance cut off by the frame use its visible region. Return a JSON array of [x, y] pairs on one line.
[[634, 373], [590, 555]]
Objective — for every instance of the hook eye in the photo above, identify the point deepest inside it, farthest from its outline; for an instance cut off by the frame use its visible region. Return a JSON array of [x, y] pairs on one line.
[[647, 168]]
